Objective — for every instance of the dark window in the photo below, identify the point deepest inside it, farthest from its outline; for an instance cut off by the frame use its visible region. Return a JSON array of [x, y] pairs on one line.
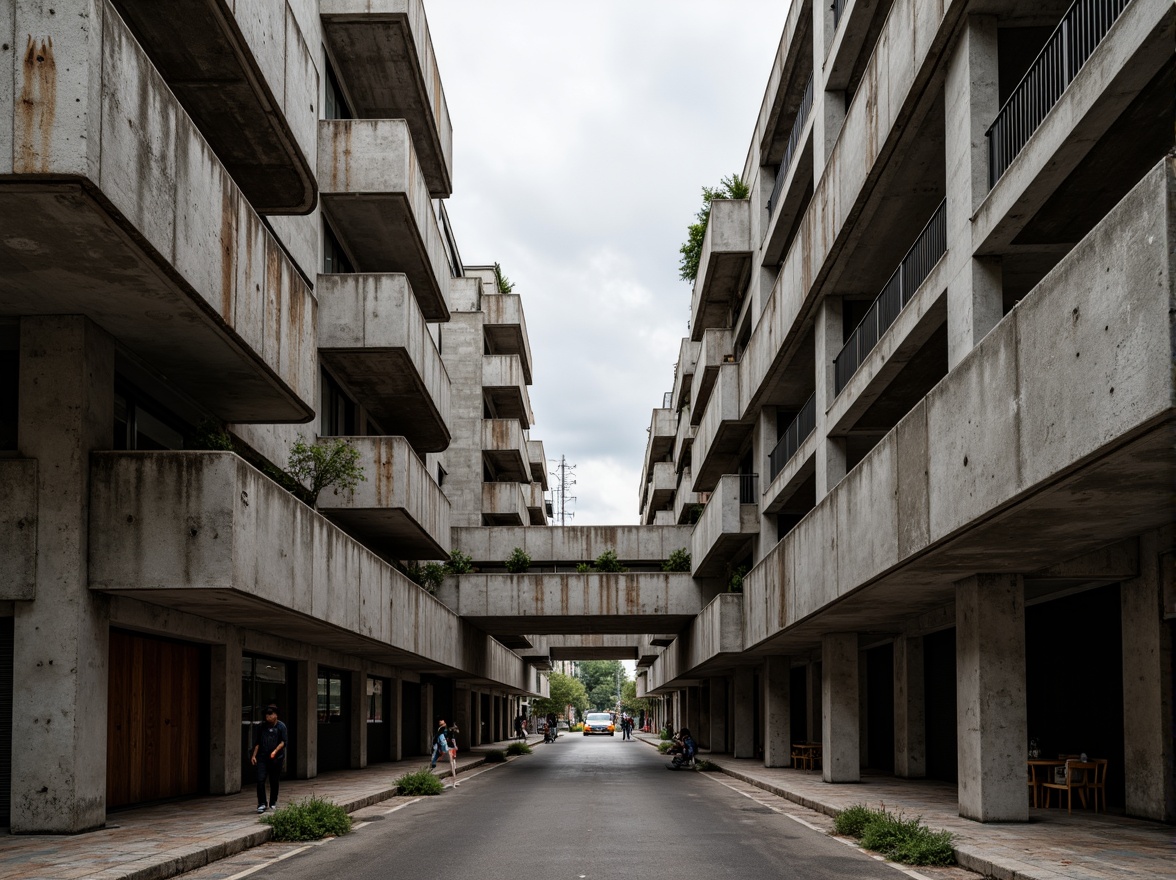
[[334, 103], [335, 261], [340, 415], [141, 422], [9, 397]]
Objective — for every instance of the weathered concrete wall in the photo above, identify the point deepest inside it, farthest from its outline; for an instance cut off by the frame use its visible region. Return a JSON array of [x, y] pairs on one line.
[[710, 455], [715, 633], [572, 544], [722, 265], [18, 528]]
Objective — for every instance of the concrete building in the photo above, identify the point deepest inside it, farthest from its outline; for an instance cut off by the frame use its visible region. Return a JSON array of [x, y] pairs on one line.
[[927, 400], [192, 277]]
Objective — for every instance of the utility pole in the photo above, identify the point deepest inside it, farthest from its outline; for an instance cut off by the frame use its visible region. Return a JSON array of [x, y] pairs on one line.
[[565, 478]]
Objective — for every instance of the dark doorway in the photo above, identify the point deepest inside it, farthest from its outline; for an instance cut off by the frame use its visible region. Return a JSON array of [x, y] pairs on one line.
[[265, 681], [880, 708], [798, 703], [379, 728], [7, 644], [410, 719], [334, 719], [939, 682]]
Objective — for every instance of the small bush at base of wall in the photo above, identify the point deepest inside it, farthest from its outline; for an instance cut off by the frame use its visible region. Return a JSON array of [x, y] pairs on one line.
[[519, 748], [309, 819], [903, 840], [495, 756], [420, 782]]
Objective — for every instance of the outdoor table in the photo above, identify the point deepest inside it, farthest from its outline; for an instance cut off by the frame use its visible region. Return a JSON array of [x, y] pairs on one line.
[[1034, 782], [809, 754]]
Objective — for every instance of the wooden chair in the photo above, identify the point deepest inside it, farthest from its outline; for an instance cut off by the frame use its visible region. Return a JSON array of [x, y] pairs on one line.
[[1077, 772], [1096, 782], [799, 759]]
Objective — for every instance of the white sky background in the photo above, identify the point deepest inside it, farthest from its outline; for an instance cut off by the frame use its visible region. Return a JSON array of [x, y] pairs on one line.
[[583, 134]]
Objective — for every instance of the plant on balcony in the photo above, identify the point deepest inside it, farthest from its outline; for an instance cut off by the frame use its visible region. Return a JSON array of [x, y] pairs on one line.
[[735, 579], [608, 562], [332, 463], [679, 561], [518, 561], [583, 568], [504, 284], [459, 563], [211, 435], [731, 187], [428, 576], [694, 512]]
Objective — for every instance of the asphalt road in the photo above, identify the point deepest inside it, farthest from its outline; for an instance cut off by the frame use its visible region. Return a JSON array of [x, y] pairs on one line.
[[584, 808]]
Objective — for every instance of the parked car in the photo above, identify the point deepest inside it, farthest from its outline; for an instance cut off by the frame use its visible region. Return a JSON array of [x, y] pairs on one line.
[[599, 723]]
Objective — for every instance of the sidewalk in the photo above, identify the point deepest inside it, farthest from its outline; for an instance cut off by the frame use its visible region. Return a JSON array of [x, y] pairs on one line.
[[153, 843], [1051, 846]]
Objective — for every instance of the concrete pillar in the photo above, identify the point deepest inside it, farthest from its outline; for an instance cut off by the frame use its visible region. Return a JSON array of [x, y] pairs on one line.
[[1149, 748], [764, 443], [306, 731], [990, 698], [828, 107], [462, 716], [694, 710], [974, 293], [777, 712], [743, 745], [359, 707], [225, 758], [910, 732], [839, 708], [479, 725], [396, 719], [428, 718], [830, 458], [718, 715], [813, 691], [60, 675]]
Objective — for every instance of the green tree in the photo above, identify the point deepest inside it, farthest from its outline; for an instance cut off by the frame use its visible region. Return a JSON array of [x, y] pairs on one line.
[[563, 691], [731, 187], [504, 284], [332, 463], [600, 678], [629, 701]]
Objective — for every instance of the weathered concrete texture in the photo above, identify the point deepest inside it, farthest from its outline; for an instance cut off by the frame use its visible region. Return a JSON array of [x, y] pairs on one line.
[[506, 504], [684, 369], [743, 731], [374, 193], [398, 510], [593, 647], [716, 348], [910, 716], [659, 491], [227, 544], [373, 337], [720, 434], [504, 447], [18, 529], [777, 679], [723, 265], [384, 56], [504, 383], [573, 603], [538, 461], [119, 210], [573, 544], [990, 698], [840, 731], [505, 327], [267, 84], [725, 527], [712, 639]]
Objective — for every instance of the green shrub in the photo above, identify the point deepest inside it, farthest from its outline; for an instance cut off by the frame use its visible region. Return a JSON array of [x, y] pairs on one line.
[[211, 434], [852, 820], [664, 746], [518, 748], [495, 756], [666, 734], [608, 562], [899, 839], [583, 568], [679, 561], [518, 562], [576, 728], [428, 576], [501, 282], [309, 819], [419, 782], [460, 563], [735, 579], [731, 187], [331, 463]]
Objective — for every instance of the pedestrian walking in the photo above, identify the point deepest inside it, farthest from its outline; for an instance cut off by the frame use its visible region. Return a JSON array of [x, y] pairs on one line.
[[269, 754], [451, 751], [440, 743], [520, 727]]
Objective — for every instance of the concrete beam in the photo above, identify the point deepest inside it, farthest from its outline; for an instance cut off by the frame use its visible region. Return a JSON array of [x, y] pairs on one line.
[[569, 545], [723, 265]]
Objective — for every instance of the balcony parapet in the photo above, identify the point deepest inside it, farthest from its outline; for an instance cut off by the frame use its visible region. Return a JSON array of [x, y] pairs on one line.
[[724, 265], [504, 447], [504, 382], [537, 504], [714, 636], [686, 500], [659, 491], [684, 373], [717, 348], [374, 193], [506, 328], [373, 337], [683, 442], [728, 522], [538, 461], [634, 545], [18, 529], [720, 435], [505, 504]]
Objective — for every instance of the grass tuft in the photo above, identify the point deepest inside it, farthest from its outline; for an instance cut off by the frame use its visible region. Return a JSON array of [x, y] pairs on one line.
[[518, 748], [899, 839], [419, 782], [495, 756], [309, 819]]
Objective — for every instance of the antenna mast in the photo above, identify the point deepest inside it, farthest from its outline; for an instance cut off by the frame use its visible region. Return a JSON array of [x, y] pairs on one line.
[[565, 478]]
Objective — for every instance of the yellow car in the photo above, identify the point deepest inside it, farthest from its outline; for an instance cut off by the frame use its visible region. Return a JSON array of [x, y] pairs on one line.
[[599, 722]]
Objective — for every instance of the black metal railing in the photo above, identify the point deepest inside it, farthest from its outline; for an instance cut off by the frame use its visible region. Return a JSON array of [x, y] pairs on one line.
[[748, 488], [910, 274], [1073, 41], [667, 399], [838, 11], [795, 434], [802, 115]]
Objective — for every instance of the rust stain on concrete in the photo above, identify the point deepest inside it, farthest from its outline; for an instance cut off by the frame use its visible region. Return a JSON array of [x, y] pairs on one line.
[[228, 241], [37, 106]]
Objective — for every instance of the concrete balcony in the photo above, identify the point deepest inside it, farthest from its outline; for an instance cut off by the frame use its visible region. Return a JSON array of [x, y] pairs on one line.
[[720, 435], [504, 384], [568, 545], [374, 339], [206, 534], [139, 226], [659, 491], [717, 348], [724, 266], [374, 193], [685, 500], [683, 442], [398, 511], [504, 449], [538, 462], [684, 373], [18, 529], [505, 504], [236, 68], [538, 506], [384, 57], [663, 428], [728, 523], [506, 328], [710, 643]]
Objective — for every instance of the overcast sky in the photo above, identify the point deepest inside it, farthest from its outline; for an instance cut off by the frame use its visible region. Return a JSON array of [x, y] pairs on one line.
[[583, 134]]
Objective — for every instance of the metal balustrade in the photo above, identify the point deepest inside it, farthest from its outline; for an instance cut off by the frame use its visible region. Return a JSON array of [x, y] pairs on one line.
[[748, 488], [802, 115], [795, 434], [910, 274], [838, 11], [1073, 41]]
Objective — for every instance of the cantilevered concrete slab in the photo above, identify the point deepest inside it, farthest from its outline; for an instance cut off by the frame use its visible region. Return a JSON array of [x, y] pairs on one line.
[[538, 462], [383, 54], [574, 604], [711, 643], [373, 337], [724, 529], [239, 71], [505, 328], [720, 435], [205, 533], [659, 491], [717, 348], [537, 504], [634, 545], [724, 265], [119, 210], [504, 449], [376, 199], [504, 385], [506, 504], [398, 510], [593, 647], [684, 369]]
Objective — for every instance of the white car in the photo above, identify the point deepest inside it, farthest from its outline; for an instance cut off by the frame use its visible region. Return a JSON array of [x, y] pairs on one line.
[[599, 722]]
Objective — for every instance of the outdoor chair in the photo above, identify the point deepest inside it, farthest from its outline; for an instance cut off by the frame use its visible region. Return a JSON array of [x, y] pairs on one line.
[[1076, 781]]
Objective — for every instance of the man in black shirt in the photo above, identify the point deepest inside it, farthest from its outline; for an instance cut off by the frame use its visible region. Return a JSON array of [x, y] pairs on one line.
[[270, 741]]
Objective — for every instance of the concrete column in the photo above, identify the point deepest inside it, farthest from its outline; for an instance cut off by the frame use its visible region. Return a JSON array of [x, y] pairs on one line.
[[830, 459], [777, 712], [813, 691], [461, 715], [828, 107], [694, 710], [1149, 748], [358, 751], [428, 718], [910, 733], [990, 698], [974, 294], [676, 711], [306, 733], [479, 722], [744, 732], [763, 444], [718, 715], [396, 719], [839, 708], [225, 758], [60, 675]]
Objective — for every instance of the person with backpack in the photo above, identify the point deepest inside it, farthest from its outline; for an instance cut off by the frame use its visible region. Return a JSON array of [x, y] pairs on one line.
[[440, 743], [689, 750]]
